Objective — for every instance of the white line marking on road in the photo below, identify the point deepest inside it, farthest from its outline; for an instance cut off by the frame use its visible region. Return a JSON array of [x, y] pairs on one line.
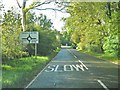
[[36, 76], [78, 67], [83, 64], [75, 56], [103, 85], [78, 60], [72, 53]]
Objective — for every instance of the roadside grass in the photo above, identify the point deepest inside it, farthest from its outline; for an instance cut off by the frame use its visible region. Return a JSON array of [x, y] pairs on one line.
[[19, 72], [109, 57]]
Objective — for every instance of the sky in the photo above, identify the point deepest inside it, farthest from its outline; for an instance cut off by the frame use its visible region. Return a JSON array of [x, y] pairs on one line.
[[54, 16]]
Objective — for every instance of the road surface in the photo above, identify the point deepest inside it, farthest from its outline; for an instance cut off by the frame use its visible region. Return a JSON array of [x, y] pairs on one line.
[[72, 69]]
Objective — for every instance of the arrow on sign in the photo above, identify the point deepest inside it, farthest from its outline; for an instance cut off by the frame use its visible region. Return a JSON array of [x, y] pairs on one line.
[[29, 38]]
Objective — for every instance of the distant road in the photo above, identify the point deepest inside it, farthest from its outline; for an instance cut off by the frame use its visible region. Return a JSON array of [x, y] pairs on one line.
[[66, 47], [71, 69]]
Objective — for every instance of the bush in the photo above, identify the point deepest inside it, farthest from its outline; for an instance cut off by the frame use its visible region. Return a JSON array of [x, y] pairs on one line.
[[47, 43]]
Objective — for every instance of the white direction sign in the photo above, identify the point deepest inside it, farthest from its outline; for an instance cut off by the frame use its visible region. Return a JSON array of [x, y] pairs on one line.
[[29, 37]]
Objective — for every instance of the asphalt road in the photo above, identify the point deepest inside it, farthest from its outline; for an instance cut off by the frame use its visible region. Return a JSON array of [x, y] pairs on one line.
[[71, 69]]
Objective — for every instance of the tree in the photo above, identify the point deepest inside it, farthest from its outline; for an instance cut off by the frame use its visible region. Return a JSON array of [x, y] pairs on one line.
[[94, 26], [47, 35], [111, 44], [84, 23], [65, 38], [34, 6], [13, 48], [11, 27]]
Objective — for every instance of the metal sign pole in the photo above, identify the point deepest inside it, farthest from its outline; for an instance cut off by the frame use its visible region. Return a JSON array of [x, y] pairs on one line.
[[35, 49]]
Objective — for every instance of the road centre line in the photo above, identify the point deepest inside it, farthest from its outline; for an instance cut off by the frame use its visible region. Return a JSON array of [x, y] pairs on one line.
[[78, 60], [103, 85], [72, 53], [83, 64], [37, 76], [75, 56]]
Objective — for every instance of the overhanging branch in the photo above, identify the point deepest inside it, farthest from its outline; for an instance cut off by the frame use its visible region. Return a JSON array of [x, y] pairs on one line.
[[50, 9], [38, 4], [18, 3]]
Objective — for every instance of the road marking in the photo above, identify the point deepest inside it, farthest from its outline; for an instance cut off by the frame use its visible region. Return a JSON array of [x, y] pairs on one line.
[[68, 66], [103, 85], [36, 76], [62, 68], [78, 60], [75, 56], [83, 64], [51, 68], [77, 67], [72, 53], [56, 69]]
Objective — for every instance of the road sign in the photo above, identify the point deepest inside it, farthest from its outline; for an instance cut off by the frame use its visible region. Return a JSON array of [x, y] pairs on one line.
[[29, 37]]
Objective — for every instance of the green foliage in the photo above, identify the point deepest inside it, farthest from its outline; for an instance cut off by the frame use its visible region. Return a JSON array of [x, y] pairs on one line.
[[48, 41], [94, 26], [15, 70], [11, 45], [111, 44], [11, 29], [65, 38], [83, 24], [6, 67]]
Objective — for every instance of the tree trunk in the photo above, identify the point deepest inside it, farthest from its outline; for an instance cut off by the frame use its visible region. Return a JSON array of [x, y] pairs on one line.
[[109, 10], [23, 20], [24, 16]]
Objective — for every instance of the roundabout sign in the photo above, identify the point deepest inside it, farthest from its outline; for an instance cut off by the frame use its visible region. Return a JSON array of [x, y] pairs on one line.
[[29, 37]]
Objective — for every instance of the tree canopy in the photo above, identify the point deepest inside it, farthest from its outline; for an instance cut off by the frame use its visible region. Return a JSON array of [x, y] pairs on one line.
[[12, 27], [93, 26]]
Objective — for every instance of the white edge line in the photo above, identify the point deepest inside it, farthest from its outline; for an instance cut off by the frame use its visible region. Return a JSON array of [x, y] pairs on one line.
[[103, 85], [83, 64], [36, 76]]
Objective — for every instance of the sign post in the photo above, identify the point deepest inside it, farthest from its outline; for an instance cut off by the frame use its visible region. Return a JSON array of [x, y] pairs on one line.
[[35, 49], [29, 38]]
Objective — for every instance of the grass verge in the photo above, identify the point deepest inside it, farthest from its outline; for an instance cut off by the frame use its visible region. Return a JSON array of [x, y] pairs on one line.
[[109, 57], [19, 72]]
